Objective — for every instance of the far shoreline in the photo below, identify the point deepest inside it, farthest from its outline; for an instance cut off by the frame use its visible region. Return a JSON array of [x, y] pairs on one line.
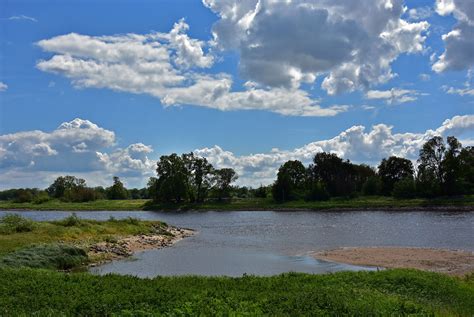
[[364, 203]]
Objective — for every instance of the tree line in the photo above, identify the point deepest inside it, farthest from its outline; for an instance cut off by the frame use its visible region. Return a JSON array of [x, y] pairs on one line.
[[443, 169]]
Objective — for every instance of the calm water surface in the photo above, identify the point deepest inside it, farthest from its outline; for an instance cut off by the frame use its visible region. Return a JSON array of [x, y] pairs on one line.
[[267, 243]]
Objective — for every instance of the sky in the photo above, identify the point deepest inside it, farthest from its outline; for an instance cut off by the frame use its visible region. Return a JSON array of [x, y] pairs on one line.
[[102, 88]]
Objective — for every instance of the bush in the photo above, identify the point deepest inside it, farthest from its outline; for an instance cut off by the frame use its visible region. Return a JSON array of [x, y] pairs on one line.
[[372, 186], [23, 196], [317, 192], [404, 189], [12, 223], [79, 195], [41, 197], [56, 257], [72, 221]]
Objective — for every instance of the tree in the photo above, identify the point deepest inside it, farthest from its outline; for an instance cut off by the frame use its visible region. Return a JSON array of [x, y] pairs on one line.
[[404, 188], [223, 178], [117, 190], [392, 170], [65, 184], [200, 173], [338, 176], [173, 179], [372, 186], [466, 167], [441, 169], [290, 183]]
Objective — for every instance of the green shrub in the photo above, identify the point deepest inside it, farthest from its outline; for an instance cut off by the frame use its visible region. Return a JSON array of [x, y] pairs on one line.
[[56, 257], [404, 189], [72, 221], [317, 192], [12, 223], [41, 197]]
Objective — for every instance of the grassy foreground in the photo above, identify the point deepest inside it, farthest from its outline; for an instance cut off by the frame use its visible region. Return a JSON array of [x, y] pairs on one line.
[[392, 292], [365, 202]]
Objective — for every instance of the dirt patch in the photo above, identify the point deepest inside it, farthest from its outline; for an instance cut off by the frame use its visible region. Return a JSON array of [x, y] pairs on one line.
[[103, 252], [452, 262]]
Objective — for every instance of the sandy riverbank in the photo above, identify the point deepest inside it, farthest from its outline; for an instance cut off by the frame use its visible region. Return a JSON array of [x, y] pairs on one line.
[[103, 252], [452, 262]]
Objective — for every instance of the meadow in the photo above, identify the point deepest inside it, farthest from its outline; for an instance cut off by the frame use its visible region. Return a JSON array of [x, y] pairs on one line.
[[390, 292], [358, 203]]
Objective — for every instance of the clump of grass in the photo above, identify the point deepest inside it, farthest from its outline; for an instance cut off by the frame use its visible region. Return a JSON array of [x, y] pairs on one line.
[[12, 223], [51, 256], [72, 221], [132, 221]]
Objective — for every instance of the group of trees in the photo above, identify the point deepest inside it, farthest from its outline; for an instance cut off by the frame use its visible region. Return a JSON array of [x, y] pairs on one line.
[[189, 178], [443, 170], [73, 189]]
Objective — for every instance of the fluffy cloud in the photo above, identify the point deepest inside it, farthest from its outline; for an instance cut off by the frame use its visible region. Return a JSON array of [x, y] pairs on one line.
[[3, 86], [459, 42], [468, 91], [81, 148], [355, 143], [394, 95], [76, 147], [286, 43], [168, 66]]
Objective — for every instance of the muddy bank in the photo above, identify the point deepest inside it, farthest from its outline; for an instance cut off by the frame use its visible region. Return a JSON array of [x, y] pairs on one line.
[[452, 262], [103, 252]]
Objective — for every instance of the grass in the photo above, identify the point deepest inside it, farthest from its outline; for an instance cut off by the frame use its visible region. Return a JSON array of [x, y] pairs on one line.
[[363, 202], [70, 231], [47, 256], [391, 292]]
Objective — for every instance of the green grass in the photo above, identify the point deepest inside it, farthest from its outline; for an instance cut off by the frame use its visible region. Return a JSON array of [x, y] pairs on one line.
[[47, 256], [364, 202], [391, 292], [71, 231]]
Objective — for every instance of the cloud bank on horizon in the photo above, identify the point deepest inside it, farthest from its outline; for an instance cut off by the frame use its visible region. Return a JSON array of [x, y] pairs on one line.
[[84, 149]]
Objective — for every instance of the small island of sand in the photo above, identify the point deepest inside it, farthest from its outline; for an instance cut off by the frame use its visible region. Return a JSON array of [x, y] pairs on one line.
[[452, 262]]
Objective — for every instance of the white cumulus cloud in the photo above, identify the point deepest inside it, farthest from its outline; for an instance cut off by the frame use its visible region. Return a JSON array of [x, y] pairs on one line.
[[168, 66], [286, 43]]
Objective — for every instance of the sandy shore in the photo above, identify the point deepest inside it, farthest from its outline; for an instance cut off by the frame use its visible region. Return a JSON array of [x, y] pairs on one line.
[[452, 262], [103, 252]]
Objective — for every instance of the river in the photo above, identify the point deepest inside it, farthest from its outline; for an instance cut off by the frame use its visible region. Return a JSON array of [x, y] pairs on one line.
[[266, 242]]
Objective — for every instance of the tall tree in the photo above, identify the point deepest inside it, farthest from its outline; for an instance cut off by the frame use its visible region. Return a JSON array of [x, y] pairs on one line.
[[173, 179], [117, 190], [290, 183], [393, 170], [223, 178], [338, 176], [64, 184], [200, 173]]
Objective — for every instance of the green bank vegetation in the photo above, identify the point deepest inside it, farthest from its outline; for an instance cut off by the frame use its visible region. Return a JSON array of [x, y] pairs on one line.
[[61, 244], [362, 202], [391, 292]]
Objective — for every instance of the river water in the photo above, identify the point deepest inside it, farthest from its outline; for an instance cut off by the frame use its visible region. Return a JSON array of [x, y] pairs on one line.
[[267, 242]]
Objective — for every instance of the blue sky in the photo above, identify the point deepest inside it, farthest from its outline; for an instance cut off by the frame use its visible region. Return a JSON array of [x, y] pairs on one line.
[[307, 74]]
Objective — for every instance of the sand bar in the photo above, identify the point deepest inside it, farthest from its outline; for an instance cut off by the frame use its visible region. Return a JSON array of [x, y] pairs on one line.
[[452, 262]]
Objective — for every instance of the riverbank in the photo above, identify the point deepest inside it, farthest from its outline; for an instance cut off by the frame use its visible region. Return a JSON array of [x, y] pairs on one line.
[[72, 243], [255, 204], [110, 250], [452, 262]]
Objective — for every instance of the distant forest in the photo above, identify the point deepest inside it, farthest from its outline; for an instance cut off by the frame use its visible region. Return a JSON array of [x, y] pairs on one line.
[[442, 169]]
